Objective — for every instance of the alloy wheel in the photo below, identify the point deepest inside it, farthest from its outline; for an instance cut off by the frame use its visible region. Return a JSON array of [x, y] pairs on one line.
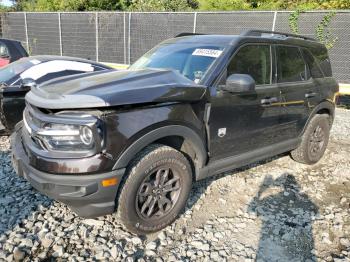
[[317, 141], [158, 193]]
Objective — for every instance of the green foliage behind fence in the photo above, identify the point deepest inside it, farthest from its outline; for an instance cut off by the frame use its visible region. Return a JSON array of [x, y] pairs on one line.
[[177, 5]]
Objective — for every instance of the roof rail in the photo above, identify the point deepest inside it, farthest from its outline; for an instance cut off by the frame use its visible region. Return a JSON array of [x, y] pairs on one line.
[[261, 32], [187, 34]]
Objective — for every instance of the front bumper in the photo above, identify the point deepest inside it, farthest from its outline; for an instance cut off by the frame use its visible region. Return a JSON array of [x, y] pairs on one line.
[[84, 194]]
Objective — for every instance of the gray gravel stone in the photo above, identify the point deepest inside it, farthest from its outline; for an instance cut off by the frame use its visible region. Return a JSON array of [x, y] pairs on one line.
[[151, 246], [136, 241], [93, 222], [58, 250], [18, 254]]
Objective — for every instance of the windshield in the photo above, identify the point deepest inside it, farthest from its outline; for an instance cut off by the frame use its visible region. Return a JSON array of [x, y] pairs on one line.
[[11, 72], [190, 60]]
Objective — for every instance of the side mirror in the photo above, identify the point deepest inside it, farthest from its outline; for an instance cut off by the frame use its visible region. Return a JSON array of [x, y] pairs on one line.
[[239, 83], [28, 83]]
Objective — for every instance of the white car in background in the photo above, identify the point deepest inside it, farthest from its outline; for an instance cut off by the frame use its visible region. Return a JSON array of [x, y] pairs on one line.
[[17, 78]]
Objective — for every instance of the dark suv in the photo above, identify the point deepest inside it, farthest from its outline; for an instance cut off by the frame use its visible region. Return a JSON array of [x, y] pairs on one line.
[[192, 107]]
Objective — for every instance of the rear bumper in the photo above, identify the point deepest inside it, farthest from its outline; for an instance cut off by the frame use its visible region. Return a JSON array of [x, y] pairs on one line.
[[84, 194]]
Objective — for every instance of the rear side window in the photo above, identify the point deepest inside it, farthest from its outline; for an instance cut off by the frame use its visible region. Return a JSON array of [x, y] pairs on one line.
[[52, 75], [291, 66], [321, 55], [315, 69], [4, 52], [98, 68], [254, 60]]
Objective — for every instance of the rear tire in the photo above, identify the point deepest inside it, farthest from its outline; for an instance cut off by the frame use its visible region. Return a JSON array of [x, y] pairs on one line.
[[156, 189], [314, 140]]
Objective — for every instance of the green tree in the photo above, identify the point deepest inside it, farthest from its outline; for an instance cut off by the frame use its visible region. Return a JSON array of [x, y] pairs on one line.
[[69, 5], [223, 5], [272, 4], [162, 5], [177, 5], [4, 8]]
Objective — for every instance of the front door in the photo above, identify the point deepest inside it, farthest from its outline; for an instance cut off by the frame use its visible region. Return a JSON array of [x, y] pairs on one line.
[[245, 121]]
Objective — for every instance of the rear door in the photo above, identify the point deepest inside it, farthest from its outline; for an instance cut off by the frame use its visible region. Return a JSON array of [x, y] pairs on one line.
[[245, 121], [299, 92]]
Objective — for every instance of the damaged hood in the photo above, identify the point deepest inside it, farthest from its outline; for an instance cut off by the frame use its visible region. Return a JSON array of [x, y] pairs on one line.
[[116, 88]]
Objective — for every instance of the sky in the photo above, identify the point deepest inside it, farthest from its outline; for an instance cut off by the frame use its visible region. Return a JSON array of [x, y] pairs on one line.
[[6, 2]]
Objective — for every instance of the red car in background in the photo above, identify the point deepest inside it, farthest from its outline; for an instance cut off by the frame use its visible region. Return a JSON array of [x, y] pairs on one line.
[[10, 51]]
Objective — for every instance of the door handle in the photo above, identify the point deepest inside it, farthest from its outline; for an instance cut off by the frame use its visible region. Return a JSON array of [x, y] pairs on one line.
[[310, 94], [268, 101]]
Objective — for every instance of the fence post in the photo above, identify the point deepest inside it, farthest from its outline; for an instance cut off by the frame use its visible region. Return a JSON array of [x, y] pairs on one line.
[[96, 27], [1, 19], [195, 22], [274, 21], [124, 33], [129, 41], [60, 33], [26, 31]]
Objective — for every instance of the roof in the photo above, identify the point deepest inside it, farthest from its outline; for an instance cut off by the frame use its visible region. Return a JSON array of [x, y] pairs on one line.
[[205, 39], [15, 49], [254, 35], [9, 40]]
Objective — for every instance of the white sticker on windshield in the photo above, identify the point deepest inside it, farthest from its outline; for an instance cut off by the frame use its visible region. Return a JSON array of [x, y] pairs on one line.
[[207, 52]]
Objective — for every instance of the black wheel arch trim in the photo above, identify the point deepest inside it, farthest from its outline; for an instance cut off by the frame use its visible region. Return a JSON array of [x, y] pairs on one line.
[[165, 131], [323, 105]]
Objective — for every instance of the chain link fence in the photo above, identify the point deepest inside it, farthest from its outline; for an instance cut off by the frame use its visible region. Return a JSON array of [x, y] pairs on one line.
[[122, 37]]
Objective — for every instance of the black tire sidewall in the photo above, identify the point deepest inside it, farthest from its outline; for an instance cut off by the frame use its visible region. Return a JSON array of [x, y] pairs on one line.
[[169, 158]]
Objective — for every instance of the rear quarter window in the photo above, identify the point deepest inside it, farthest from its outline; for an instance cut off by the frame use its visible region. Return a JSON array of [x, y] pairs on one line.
[[321, 55], [315, 69]]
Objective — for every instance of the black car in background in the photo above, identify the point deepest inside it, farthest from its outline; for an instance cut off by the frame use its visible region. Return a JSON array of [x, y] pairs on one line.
[[10, 51], [17, 78], [192, 107]]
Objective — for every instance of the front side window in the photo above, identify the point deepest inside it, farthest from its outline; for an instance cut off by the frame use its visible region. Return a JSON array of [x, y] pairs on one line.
[[190, 60], [254, 60], [291, 66]]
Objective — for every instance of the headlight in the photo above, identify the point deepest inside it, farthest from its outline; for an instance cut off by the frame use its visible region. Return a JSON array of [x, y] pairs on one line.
[[86, 135], [60, 137], [64, 134]]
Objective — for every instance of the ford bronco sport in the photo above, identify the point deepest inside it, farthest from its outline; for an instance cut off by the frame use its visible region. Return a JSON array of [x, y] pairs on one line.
[[192, 107]]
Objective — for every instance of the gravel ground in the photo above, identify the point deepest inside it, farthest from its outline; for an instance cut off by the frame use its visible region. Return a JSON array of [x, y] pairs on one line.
[[276, 210]]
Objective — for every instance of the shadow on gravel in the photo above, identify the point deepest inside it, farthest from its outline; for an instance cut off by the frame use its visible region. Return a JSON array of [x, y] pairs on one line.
[[18, 200], [199, 187], [286, 217]]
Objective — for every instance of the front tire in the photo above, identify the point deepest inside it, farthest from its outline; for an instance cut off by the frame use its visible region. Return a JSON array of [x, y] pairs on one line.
[[156, 189], [314, 141]]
